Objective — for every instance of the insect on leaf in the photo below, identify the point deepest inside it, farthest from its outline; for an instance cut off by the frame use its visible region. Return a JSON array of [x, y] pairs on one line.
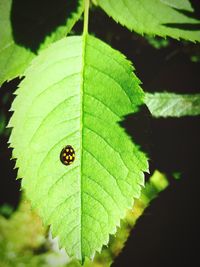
[[74, 94]]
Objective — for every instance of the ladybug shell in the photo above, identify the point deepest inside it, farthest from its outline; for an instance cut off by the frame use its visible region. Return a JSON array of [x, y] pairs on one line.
[[67, 155]]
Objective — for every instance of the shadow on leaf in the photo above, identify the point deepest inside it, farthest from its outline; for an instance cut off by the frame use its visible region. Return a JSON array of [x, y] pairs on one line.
[[33, 20], [137, 126], [169, 143], [184, 26]]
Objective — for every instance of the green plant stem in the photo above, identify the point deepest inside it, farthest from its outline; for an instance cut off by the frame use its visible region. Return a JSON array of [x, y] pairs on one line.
[[86, 16]]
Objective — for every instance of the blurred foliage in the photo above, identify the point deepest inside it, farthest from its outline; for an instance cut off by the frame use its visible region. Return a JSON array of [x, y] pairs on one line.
[[25, 242], [2, 123], [20, 236], [177, 175], [3, 119], [6, 210], [195, 58], [157, 42]]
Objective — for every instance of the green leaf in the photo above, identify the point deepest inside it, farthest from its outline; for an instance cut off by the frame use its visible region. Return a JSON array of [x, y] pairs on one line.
[[153, 17], [13, 58], [75, 93], [179, 4], [31, 235], [173, 105], [40, 27]]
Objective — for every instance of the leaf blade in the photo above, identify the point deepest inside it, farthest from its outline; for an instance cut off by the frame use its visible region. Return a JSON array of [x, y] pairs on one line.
[[84, 202], [183, 4], [153, 17], [15, 56], [173, 105]]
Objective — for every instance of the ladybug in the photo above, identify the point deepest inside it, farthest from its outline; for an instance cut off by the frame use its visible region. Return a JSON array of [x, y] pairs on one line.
[[67, 155]]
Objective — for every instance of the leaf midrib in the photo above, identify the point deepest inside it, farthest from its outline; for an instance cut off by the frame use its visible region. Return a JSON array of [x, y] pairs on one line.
[[84, 40]]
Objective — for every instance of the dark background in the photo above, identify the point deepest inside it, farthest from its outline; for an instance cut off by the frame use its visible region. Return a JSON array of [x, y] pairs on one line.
[[168, 232]]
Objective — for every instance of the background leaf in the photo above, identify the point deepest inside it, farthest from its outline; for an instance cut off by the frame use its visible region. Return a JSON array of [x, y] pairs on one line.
[[173, 105], [30, 247], [183, 4], [28, 26], [75, 93], [153, 17]]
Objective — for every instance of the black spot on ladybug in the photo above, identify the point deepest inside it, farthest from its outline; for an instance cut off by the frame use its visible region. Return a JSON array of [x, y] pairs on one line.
[[67, 155]]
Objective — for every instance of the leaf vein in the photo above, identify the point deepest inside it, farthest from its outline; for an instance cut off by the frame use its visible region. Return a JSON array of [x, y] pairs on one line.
[[113, 79], [49, 114], [109, 173]]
